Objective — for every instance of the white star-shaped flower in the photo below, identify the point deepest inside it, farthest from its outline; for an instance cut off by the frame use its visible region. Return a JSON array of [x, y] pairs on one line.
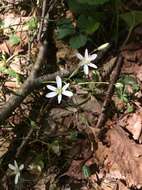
[[86, 61], [59, 90], [16, 169]]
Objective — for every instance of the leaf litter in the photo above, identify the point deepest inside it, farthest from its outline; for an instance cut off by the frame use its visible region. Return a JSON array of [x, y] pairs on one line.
[[119, 158], [114, 161]]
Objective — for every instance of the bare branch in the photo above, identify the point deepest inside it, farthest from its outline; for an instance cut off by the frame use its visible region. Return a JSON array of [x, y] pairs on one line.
[[42, 19], [109, 93], [26, 88]]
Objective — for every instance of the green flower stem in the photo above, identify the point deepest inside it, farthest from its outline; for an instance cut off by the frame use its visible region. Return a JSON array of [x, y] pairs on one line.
[[83, 83]]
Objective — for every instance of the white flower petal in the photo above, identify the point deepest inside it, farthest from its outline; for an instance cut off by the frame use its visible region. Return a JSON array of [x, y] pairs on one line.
[[83, 62], [59, 82], [16, 178], [67, 93], [51, 94], [65, 86], [86, 69], [11, 167], [79, 56], [92, 57], [15, 163], [86, 53], [92, 65], [59, 98], [21, 167], [52, 88]]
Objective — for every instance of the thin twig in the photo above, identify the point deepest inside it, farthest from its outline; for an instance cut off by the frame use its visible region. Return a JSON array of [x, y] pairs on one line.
[[109, 93], [52, 4], [42, 19], [23, 143]]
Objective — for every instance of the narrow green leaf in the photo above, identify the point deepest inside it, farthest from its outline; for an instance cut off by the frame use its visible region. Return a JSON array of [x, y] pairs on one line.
[[94, 2], [86, 171]]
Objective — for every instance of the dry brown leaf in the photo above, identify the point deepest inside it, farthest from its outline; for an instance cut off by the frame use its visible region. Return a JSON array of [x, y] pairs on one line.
[[10, 49], [80, 116], [107, 185], [87, 104], [18, 25], [12, 84], [4, 48], [57, 113], [82, 153], [119, 104], [134, 124], [4, 145], [40, 185], [16, 22], [136, 69], [18, 64], [75, 170], [133, 59], [13, 1], [124, 157], [132, 53], [112, 185]]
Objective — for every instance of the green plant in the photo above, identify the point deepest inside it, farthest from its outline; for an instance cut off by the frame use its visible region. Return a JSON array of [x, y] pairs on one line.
[[86, 171], [32, 23], [87, 23], [132, 18], [126, 87], [8, 71], [65, 28], [102, 20], [14, 39]]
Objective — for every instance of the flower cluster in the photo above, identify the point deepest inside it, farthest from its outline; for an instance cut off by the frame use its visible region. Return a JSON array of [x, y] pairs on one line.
[[60, 90]]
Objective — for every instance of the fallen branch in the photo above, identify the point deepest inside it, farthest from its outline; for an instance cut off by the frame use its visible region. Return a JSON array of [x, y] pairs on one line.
[[23, 143], [42, 20], [27, 87], [30, 84], [115, 75]]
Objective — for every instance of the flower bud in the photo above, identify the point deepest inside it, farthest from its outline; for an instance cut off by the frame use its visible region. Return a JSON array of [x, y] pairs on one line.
[[103, 46]]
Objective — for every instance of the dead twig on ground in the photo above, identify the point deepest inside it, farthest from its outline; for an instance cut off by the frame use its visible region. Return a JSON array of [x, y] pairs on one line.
[[32, 81], [30, 84], [109, 93], [23, 143], [45, 17], [42, 20], [27, 87]]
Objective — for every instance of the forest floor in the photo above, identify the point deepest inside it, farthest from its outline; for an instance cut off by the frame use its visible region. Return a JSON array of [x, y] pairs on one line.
[[91, 141]]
